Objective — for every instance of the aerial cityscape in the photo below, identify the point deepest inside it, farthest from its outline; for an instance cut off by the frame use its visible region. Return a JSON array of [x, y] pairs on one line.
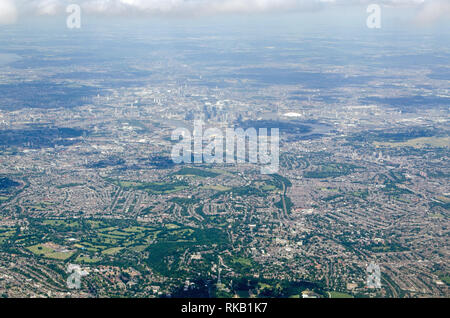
[[93, 202]]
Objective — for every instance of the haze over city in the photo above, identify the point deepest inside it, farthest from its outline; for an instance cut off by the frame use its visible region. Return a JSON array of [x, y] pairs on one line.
[[224, 149]]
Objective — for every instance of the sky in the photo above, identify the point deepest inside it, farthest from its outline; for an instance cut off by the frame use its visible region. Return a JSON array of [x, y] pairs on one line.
[[12, 11]]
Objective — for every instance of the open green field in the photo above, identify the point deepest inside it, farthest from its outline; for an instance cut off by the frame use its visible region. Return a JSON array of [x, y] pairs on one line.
[[243, 261], [87, 259], [112, 250], [49, 252], [195, 172], [269, 187], [152, 187], [335, 294], [58, 223], [445, 279], [216, 187], [171, 226]]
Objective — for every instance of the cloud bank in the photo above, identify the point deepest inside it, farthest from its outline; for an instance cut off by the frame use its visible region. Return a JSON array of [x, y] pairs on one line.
[[8, 12], [176, 7], [433, 11], [428, 10]]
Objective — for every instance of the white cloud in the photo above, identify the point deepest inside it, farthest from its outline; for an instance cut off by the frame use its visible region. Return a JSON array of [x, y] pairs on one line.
[[47, 7], [428, 10], [434, 11], [8, 12], [181, 7]]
